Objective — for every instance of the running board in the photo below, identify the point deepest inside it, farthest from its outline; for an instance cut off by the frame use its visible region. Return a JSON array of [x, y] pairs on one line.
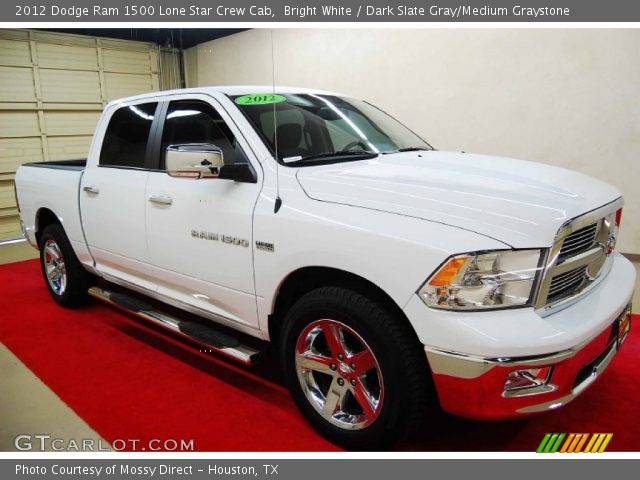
[[204, 335]]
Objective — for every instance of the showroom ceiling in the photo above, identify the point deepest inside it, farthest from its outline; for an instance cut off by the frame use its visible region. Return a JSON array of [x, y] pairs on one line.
[[166, 37]]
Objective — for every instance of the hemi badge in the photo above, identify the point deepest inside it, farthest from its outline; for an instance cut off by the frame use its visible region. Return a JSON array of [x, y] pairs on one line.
[[268, 247]]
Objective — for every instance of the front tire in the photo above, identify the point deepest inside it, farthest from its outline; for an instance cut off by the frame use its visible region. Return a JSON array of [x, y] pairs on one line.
[[64, 275], [356, 371]]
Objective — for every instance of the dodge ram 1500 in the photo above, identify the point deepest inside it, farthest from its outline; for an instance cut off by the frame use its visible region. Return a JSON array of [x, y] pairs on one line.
[[384, 272]]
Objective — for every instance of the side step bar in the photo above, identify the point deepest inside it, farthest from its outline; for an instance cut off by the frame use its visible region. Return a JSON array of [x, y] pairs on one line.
[[206, 336]]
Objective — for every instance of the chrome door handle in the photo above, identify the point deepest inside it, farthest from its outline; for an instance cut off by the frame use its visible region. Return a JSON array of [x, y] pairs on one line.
[[91, 189], [161, 199]]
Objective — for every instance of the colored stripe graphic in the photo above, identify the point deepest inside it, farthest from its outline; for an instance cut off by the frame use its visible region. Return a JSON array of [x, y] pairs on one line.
[[576, 439], [591, 442], [543, 443], [574, 443], [567, 442], [604, 445], [578, 447], [556, 445], [550, 443]]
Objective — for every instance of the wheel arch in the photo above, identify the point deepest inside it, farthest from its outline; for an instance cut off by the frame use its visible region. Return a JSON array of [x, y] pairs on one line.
[[306, 279], [44, 218]]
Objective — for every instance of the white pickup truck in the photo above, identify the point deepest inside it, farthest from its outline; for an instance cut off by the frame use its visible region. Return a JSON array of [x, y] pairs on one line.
[[386, 273]]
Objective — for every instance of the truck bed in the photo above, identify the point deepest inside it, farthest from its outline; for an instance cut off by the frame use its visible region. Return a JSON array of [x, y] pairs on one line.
[[52, 186], [76, 164]]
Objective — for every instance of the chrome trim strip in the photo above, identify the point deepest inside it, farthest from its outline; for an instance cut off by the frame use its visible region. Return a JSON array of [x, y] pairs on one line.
[[465, 366], [241, 353], [507, 361], [12, 241]]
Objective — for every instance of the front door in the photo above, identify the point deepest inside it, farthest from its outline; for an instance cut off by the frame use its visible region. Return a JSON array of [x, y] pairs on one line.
[[199, 231]]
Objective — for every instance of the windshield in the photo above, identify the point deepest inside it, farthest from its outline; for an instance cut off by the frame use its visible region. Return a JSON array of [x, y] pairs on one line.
[[325, 128]]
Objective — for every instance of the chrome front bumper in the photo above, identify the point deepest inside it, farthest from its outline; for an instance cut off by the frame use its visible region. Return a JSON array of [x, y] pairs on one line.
[[472, 386]]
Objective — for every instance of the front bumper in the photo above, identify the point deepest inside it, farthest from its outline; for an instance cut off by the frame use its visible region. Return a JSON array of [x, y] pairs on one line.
[[578, 343], [474, 387]]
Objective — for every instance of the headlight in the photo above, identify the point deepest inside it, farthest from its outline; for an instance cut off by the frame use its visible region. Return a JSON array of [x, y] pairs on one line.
[[479, 281]]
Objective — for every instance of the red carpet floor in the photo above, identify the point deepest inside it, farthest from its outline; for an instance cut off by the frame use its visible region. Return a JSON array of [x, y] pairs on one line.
[[128, 380]]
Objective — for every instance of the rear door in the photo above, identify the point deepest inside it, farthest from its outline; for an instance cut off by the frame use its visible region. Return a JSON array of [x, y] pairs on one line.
[[199, 231], [112, 195]]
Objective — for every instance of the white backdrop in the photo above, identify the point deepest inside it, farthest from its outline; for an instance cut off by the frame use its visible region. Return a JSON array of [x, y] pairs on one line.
[[569, 97]]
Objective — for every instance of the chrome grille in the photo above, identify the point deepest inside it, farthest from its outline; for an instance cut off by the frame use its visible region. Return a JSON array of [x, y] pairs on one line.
[[565, 283], [579, 241], [579, 258]]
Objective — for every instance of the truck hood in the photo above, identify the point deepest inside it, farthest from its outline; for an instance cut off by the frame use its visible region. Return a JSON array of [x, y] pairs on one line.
[[522, 204]]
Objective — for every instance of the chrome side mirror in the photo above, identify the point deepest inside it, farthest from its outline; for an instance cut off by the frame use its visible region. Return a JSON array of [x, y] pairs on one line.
[[194, 160]]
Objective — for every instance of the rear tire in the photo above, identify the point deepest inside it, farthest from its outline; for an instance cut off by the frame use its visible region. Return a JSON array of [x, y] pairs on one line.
[[65, 277], [357, 372]]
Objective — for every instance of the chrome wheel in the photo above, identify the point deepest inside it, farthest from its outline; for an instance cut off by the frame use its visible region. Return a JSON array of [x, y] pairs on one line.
[[339, 374], [54, 267]]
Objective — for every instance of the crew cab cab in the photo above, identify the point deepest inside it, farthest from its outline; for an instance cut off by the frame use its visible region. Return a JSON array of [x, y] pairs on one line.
[[385, 273]]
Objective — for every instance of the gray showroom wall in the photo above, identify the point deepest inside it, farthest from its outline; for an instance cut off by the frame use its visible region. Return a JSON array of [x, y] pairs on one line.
[[569, 97]]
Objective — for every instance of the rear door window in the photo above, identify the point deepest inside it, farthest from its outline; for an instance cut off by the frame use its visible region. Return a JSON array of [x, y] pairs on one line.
[[125, 142]]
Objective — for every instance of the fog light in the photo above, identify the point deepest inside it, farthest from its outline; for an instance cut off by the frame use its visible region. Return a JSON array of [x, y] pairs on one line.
[[528, 381]]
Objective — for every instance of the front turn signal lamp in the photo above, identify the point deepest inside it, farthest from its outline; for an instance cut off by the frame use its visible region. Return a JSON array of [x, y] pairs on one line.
[[488, 280]]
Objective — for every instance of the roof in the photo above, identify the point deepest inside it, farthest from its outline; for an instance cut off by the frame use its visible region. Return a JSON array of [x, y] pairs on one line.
[[230, 90]]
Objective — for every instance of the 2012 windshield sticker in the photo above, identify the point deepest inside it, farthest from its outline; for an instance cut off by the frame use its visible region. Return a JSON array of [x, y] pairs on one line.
[[260, 99]]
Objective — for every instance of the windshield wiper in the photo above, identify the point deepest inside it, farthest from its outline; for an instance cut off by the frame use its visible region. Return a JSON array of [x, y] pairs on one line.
[[339, 153], [413, 149]]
